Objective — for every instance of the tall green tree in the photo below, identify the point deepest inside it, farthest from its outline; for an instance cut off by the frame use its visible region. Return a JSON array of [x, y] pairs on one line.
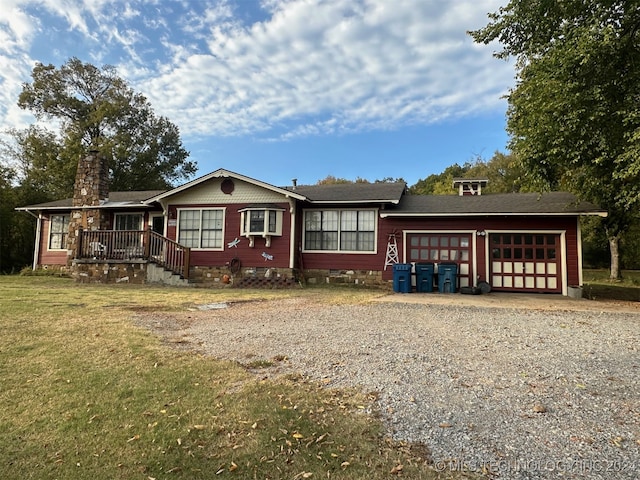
[[95, 109], [440, 183], [16, 229], [502, 170], [574, 114]]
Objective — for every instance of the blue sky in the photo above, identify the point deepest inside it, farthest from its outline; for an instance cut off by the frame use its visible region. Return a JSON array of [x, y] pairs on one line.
[[282, 89]]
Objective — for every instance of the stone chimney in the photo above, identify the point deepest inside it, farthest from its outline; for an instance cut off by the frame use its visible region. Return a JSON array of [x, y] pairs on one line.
[[91, 189]]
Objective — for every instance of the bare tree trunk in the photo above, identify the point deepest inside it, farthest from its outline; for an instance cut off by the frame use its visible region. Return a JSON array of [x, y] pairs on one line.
[[615, 257]]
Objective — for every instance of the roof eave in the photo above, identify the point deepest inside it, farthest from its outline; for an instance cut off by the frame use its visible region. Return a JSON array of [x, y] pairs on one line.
[[84, 207], [350, 202], [495, 214]]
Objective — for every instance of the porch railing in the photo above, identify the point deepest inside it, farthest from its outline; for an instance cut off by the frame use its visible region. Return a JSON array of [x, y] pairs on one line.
[[127, 245]]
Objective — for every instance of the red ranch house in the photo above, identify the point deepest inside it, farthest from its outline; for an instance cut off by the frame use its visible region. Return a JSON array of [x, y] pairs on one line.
[[226, 228]]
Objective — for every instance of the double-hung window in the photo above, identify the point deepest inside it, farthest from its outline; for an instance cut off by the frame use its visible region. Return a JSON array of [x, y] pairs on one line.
[[340, 230], [201, 228], [58, 231]]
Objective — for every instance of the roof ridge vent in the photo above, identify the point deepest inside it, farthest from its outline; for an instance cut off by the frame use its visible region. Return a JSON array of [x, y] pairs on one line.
[[470, 186]]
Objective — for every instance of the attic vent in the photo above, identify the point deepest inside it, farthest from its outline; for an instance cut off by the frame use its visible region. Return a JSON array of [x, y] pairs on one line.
[[227, 186], [470, 186]]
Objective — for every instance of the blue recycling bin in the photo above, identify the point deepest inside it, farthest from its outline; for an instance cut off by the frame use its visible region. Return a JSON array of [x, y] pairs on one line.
[[402, 278], [424, 277], [447, 277]]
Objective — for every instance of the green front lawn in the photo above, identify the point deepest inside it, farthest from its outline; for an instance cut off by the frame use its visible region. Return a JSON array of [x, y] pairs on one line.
[[86, 394], [597, 285]]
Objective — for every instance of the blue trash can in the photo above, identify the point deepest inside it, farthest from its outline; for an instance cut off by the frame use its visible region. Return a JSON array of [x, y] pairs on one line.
[[424, 277], [402, 278], [447, 277]]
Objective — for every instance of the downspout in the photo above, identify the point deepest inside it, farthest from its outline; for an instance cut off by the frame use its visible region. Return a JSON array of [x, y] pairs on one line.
[[292, 234]]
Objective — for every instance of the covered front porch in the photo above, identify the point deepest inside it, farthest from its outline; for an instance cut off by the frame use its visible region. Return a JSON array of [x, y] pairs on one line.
[[126, 246]]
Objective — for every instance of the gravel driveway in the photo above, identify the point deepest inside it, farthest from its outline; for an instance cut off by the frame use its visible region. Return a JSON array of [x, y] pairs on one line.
[[517, 393]]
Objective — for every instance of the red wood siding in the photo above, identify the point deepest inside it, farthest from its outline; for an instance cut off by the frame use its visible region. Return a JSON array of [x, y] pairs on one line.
[[524, 224], [248, 256], [346, 261], [49, 257]]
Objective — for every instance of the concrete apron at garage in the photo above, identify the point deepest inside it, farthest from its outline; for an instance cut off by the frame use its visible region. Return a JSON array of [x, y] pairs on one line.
[[528, 301]]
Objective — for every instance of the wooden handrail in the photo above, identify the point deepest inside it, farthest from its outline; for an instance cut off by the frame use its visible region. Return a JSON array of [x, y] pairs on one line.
[[129, 245]]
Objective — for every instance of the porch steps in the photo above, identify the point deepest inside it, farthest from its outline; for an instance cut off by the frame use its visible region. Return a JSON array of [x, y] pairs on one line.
[[157, 274]]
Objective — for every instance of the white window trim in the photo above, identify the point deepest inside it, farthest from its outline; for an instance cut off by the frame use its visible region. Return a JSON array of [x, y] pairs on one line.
[[356, 252], [64, 247], [264, 233], [208, 249]]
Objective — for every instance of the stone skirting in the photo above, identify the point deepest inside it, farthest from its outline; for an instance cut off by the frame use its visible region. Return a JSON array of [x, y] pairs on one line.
[[110, 272], [247, 277], [354, 277], [91, 271]]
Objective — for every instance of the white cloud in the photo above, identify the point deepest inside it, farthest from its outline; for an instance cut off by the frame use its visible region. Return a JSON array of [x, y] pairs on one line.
[[310, 67], [363, 64]]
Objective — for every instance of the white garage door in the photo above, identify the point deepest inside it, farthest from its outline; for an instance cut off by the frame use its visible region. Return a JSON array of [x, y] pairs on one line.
[[525, 262]]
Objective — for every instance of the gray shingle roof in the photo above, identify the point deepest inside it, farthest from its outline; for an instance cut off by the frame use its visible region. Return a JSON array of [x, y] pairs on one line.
[[116, 199], [352, 192], [552, 203]]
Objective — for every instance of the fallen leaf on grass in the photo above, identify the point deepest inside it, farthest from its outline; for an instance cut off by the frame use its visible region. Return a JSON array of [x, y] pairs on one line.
[[303, 475], [397, 470], [135, 437]]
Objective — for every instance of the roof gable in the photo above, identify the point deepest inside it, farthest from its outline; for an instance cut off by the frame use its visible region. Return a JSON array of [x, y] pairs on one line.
[[222, 173]]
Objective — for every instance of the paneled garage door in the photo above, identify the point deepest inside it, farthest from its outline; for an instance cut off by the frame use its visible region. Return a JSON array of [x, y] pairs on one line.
[[443, 248], [525, 262]]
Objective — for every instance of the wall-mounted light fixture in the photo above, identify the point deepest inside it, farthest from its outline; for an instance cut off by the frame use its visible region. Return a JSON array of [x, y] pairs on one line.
[[481, 233]]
